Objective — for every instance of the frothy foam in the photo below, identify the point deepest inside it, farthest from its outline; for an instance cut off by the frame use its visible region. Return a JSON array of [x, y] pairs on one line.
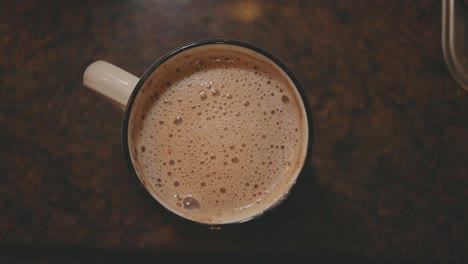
[[219, 134]]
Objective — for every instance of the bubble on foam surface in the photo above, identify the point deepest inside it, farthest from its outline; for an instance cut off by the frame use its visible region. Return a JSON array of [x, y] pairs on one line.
[[191, 203], [214, 92], [212, 147], [203, 96], [178, 120]]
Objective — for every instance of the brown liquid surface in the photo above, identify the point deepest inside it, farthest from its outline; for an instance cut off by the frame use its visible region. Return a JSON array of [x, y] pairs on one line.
[[218, 135]]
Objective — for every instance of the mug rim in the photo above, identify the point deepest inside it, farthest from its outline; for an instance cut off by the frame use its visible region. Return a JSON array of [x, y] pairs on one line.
[[174, 52]]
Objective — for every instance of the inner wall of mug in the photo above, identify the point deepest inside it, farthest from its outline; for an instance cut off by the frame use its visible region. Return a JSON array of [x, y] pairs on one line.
[[138, 102]]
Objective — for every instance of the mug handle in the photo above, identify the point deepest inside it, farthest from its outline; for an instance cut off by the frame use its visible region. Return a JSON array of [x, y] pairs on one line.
[[110, 81]]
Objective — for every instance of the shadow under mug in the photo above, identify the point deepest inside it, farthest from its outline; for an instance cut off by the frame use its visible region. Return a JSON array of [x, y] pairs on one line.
[[123, 88]]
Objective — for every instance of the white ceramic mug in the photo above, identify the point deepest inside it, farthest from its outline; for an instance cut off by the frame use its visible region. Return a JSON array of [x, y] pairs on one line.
[[122, 88]]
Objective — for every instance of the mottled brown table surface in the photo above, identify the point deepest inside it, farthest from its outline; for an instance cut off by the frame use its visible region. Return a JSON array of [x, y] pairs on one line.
[[388, 174]]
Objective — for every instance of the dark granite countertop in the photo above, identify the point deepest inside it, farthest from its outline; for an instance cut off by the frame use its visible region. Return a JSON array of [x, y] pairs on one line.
[[388, 174]]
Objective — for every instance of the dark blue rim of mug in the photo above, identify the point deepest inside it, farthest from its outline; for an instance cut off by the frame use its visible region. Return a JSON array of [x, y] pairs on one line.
[[159, 62]]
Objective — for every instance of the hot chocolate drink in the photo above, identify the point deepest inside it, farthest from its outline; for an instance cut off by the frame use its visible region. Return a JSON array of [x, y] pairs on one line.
[[218, 134]]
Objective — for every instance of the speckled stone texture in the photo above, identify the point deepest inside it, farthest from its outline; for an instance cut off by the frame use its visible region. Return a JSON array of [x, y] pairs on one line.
[[388, 174]]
